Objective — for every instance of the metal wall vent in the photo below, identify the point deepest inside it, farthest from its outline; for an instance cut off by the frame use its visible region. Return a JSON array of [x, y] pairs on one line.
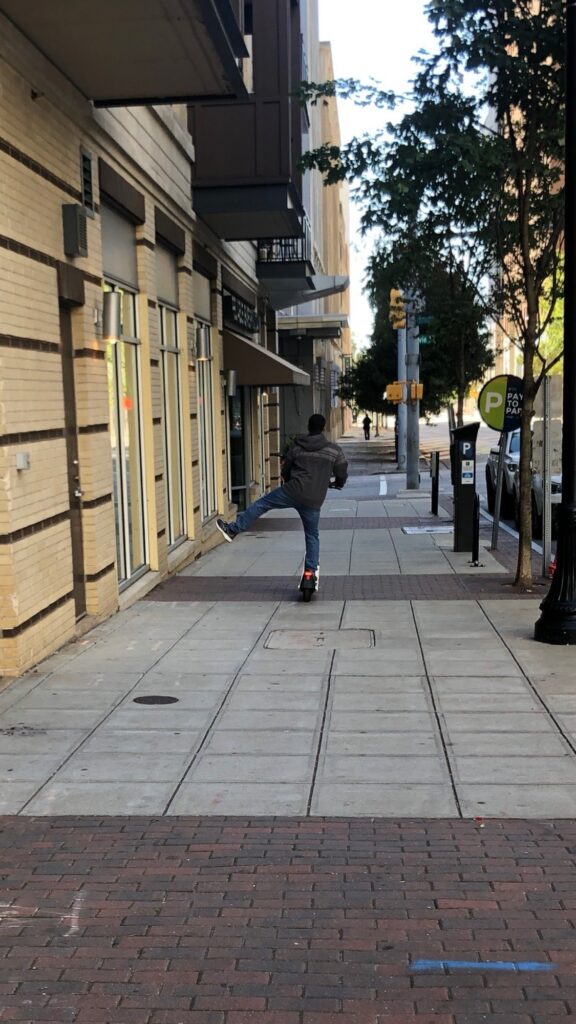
[[75, 230], [86, 181]]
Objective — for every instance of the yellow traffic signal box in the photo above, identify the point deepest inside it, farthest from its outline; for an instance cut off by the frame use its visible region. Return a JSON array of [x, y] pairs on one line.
[[416, 391], [397, 309], [395, 392]]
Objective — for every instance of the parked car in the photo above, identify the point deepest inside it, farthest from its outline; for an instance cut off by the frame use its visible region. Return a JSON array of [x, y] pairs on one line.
[[511, 461], [538, 501]]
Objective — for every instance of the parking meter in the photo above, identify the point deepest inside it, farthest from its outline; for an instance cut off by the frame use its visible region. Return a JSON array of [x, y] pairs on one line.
[[464, 485]]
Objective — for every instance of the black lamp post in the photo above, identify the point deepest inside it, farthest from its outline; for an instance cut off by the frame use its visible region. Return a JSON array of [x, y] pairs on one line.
[[557, 623]]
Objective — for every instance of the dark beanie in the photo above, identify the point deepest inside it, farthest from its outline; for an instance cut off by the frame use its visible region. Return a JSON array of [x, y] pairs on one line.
[[316, 424]]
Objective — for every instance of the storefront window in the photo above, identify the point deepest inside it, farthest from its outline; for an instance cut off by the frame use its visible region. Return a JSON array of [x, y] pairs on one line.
[[206, 434], [123, 362], [172, 423]]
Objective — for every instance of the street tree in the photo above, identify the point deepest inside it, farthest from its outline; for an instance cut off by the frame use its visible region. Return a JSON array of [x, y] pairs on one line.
[[455, 344], [474, 172]]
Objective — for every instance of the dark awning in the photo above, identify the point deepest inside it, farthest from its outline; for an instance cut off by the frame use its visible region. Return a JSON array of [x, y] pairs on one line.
[[257, 366], [122, 52], [245, 212], [323, 285], [314, 325]]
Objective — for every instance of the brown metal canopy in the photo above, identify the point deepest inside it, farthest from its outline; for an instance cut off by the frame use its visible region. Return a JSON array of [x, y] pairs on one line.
[[257, 366], [123, 52]]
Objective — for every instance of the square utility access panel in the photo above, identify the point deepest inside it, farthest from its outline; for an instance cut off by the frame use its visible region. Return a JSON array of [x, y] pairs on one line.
[[329, 639]]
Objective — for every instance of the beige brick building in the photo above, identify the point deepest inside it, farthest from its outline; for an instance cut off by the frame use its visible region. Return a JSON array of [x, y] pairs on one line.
[[140, 382]]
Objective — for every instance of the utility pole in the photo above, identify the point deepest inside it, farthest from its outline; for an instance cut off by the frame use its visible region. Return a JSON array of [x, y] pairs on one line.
[[413, 404], [557, 623], [401, 408]]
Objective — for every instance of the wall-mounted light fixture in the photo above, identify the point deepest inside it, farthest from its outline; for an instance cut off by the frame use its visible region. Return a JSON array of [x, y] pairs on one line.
[[231, 383], [111, 317], [203, 345]]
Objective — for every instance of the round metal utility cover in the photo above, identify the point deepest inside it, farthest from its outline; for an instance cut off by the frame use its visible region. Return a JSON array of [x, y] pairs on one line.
[[155, 699]]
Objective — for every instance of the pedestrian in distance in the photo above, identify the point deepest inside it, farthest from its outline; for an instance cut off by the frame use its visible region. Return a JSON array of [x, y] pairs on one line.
[[366, 424], [307, 472]]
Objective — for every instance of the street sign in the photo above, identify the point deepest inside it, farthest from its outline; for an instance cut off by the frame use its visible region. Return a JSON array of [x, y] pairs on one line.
[[500, 403]]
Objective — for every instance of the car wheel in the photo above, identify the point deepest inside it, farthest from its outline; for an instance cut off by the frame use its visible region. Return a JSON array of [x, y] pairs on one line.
[[536, 521], [490, 494]]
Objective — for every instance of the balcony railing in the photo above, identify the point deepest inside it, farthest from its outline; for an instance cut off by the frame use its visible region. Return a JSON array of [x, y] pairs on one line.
[[287, 250]]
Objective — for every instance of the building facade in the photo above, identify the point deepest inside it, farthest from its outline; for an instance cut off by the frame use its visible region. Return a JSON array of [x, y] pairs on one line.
[[140, 377], [315, 333]]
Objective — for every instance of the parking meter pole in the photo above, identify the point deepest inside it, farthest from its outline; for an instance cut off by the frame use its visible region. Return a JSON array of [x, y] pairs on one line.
[[402, 409], [498, 498], [464, 485], [413, 407], [546, 482]]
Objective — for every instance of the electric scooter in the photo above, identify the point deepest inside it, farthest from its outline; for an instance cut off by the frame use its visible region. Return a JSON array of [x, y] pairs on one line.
[[310, 582]]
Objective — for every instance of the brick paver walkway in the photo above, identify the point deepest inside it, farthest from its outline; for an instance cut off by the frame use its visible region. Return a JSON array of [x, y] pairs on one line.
[[287, 921], [342, 588], [173, 919]]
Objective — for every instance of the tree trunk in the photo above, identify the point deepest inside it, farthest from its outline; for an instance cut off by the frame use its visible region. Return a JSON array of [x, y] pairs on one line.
[[524, 568], [461, 382], [460, 409]]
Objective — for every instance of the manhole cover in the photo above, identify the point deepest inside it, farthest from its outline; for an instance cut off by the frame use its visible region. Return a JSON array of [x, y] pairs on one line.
[[154, 698], [329, 639]]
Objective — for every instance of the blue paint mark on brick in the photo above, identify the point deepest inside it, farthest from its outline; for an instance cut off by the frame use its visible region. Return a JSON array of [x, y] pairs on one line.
[[482, 965]]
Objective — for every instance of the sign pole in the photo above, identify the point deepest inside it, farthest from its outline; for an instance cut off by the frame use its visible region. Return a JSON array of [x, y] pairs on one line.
[[413, 409], [498, 499], [546, 482], [401, 410], [557, 623]]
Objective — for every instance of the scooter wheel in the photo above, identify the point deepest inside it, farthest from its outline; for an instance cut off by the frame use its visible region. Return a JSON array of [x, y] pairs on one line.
[[307, 595]]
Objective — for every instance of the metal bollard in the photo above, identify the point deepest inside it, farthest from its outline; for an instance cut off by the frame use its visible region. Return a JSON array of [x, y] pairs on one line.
[[476, 532], [435, 474]]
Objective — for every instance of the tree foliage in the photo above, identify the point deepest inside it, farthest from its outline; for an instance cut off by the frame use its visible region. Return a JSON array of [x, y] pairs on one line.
[[471, 179], [455, 349], [454, 343]]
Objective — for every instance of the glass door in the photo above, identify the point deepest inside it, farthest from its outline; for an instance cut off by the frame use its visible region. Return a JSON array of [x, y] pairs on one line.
[[123, 362], [170, 349], [239, 417]]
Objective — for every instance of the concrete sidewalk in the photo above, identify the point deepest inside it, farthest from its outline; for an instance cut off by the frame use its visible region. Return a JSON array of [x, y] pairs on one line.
[[417, 692]]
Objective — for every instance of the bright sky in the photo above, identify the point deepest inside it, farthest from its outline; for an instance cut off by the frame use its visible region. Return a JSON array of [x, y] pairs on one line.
[[370, 39]]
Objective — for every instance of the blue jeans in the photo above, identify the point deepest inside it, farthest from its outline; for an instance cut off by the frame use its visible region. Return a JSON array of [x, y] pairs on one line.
[[279, 499]]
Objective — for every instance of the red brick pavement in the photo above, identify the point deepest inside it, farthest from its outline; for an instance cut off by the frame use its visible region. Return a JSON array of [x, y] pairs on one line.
[[284, 921], [413, 587], [333, 522]]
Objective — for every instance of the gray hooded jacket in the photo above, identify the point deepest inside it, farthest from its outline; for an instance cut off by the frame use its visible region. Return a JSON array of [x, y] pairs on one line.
[[308, 467]]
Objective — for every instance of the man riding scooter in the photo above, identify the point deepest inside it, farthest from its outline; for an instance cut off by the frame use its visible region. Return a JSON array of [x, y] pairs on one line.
[[307, 470]]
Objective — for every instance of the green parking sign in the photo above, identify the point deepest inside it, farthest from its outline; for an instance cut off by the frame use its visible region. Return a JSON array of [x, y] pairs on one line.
[[500, 403]]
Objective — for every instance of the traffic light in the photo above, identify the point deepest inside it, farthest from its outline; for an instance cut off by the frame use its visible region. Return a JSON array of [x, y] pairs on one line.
[[416, 391], [395, 392], [397, 309]]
